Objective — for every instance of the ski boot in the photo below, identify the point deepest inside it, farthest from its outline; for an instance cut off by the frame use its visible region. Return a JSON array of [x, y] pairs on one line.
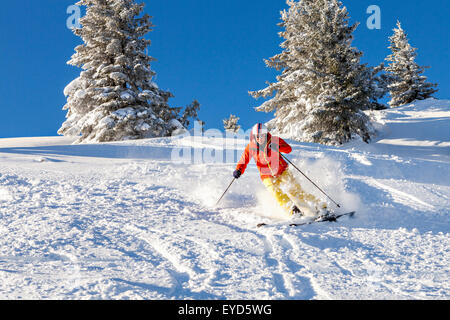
[[296, 213], [322, 211]]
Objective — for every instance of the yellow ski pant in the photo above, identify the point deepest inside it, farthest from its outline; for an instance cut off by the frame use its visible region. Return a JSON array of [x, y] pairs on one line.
[[289, 193]]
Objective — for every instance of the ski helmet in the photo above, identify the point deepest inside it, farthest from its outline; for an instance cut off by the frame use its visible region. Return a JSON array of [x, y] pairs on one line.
[[258, 130]]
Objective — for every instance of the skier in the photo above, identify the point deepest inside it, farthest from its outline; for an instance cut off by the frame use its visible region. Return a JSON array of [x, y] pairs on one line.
[[265, 149]]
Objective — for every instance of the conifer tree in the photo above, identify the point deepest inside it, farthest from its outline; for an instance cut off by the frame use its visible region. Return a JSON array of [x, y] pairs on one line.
[[231, 124], [190, 113], [406, 80], [323, 86], [114, 98], [377, 86]]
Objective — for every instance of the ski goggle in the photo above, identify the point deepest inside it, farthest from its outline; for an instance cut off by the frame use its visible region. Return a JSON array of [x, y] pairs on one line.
[[261, 137], [259, 132]]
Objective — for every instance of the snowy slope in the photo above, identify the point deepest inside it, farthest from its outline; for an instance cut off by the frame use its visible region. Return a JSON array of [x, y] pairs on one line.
[[127, 221]]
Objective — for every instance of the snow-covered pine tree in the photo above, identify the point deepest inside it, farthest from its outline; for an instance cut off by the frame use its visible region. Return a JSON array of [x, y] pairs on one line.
[[231, 124], [114, 98], [323, 87], [406, 80], [376, 86]]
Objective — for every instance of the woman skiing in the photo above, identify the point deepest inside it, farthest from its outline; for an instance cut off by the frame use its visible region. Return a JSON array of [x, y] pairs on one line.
[[265, 149]]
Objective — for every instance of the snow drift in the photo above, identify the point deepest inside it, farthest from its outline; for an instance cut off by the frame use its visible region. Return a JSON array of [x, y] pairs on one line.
[[126, 221]]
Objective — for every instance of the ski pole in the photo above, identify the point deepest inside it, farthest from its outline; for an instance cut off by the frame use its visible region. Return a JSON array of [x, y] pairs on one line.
[[284, 157], [226, 191]]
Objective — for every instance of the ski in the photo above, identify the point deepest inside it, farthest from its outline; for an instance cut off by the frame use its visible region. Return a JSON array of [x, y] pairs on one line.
[[325, 218]]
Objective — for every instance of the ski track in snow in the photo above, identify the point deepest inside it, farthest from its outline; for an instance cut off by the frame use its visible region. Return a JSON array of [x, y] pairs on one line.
[[128, 223]]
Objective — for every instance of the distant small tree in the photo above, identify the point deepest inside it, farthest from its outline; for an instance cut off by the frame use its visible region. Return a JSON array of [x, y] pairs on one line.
[[231, 124], [189, 113], [406, 82]]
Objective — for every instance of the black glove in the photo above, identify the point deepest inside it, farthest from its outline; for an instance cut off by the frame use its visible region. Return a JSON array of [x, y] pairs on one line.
[[237, 174]]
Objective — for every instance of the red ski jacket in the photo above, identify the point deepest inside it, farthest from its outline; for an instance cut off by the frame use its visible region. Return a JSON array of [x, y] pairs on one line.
[[268, 159]]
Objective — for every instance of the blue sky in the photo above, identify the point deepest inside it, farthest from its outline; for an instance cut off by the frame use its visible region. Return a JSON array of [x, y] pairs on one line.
[[207, 50]]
